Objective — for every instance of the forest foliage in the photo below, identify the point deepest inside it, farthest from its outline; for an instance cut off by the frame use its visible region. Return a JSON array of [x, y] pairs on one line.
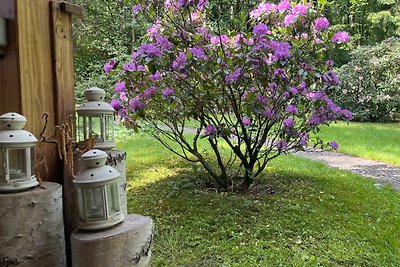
[[109, 30]]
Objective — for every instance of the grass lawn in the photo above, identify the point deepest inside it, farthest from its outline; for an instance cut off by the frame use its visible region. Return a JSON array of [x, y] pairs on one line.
[[369, 140], [300, 213]]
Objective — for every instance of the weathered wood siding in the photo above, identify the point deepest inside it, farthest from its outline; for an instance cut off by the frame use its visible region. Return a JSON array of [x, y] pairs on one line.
[[37, 74]]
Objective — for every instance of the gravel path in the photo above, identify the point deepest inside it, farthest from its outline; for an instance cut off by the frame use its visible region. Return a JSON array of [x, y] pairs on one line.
[[381, 172]]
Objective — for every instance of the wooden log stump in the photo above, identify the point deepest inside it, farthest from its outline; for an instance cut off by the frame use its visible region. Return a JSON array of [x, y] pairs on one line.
[[117, 160], [71, 208], [125, 244], [32, 228]]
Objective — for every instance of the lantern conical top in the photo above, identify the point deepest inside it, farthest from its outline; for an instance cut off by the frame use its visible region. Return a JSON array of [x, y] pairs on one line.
[[94, 168], [94, 158], [95, 94], [12, 121], [95, 105], [11, 133]]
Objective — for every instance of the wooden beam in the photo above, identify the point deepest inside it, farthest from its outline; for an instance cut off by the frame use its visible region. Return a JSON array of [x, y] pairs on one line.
[[63, 63], [72, 9]]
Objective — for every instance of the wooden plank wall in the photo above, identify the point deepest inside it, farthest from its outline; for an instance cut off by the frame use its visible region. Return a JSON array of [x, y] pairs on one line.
[[36, 74], [35, 63], [10, 94]]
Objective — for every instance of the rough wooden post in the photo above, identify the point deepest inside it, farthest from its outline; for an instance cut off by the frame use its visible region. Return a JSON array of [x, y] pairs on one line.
[[71, 209], [126, 244], [32, 228]]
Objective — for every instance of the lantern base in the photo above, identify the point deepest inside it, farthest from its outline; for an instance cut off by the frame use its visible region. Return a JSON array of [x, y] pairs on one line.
[[98, 225], [14, 187]]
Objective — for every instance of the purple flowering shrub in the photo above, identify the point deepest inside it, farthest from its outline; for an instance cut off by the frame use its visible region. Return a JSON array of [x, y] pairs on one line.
[[253, 95]]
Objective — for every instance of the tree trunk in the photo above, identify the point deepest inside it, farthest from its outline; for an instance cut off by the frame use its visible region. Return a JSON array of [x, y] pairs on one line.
[[117, 160], [32, 228], [125, 244]]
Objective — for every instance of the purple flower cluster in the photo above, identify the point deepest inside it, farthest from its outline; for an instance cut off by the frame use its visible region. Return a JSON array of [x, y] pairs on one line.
[[321, 24], [132, 66], [163, 42], [331, 78], [167, 92], [210, 129], [115, 104], [136, 104], [154, 29], [262, 9], [334, 145], [150, 50], [198, 52], [136, 9], [216, 40], [283, 6], [281, 49], [246, 122], [155, 77], [268, 112], [341, 37], [300, 10], [234, 76], [109, 66], [120, 87], [292, 109], [288, 123], [281, 145], [149, 92], [261, 29], [290, 19], [262, 99], [179, 62]]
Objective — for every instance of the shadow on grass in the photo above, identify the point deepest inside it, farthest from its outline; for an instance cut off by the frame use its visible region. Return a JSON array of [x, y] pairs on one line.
[[299, 213]]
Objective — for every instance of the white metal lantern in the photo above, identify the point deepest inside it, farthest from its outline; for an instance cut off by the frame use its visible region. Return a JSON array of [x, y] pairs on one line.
[[16, 154], [98, 192], [96, 116]]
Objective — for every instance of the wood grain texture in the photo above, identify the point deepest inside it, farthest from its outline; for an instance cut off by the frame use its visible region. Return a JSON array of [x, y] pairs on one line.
[[126, 244], [32, 228], [34, 47], [63, 63]]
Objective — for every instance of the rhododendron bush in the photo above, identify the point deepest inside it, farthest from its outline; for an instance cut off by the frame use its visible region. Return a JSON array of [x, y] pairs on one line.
[[252, 94]]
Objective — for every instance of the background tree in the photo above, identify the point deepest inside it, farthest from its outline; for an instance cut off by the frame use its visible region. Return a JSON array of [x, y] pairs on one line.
[[370, 82], [368, 22], [108, 31]]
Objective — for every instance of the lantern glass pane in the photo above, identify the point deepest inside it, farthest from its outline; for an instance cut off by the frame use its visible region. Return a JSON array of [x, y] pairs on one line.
[[80, 130], [81, 206], [113, 199], [94, 203], [17, 163], [3, 164], [109, 125], [95, 127], [32, 154]]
